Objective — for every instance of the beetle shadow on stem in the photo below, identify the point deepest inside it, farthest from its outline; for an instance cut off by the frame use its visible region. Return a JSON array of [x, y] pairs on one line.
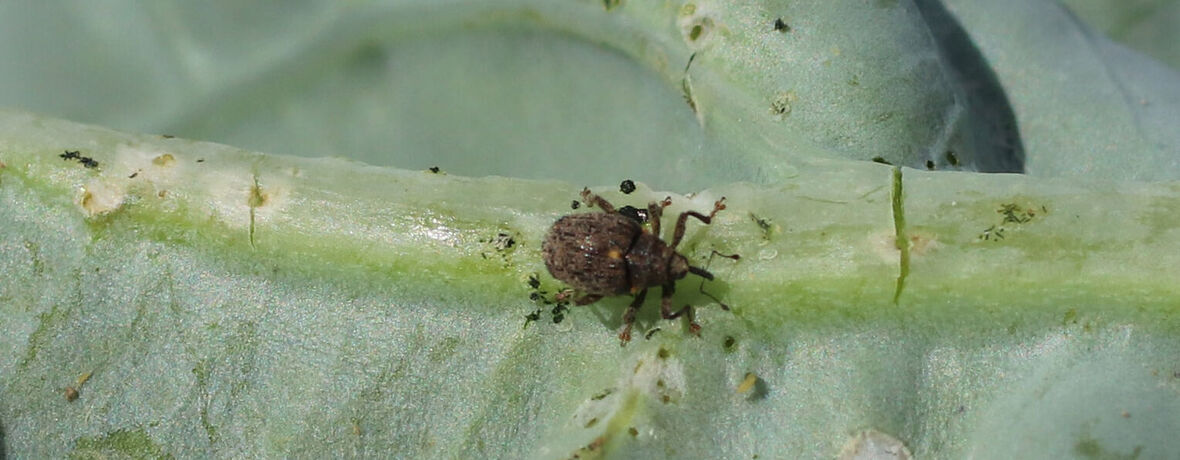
[[701, 292], [707, 294], [609, 311]]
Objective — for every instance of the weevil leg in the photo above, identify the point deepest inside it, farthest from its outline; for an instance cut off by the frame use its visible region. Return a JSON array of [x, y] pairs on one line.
[[655, 210], [587, 299], [683, 220], [594, 200], [629, 316], [667, 313]]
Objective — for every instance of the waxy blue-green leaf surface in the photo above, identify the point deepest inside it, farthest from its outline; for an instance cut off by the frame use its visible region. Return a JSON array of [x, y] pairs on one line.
[[177, 298]]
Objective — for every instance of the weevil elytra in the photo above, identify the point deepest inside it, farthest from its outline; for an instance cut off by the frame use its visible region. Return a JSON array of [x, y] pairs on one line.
[[606, 254]]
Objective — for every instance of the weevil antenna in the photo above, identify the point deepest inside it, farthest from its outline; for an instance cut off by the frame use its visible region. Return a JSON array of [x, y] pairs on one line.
[[701, 273], [704, 273]]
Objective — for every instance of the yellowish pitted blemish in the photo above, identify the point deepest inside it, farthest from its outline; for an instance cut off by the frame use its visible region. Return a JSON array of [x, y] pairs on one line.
[[701, 27], [237, 198], [166, 160], [614, 254], [592, 450], [156, 168], [697, 25], [257, 198], [922, 243], [99, 197], [598, 407], [874, 444], [269, 198], [747, 383], [656, 56], [662, 380], [780, 107], [885, 246]]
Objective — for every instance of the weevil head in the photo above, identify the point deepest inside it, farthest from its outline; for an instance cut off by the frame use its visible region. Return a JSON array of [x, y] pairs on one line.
[[678, 268]]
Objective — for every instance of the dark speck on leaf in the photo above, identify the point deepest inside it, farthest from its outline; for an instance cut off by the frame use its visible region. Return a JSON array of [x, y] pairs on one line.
[[503, 241], [75, 155], [575, 204], [603, 394], [627, 186], [781, 26]]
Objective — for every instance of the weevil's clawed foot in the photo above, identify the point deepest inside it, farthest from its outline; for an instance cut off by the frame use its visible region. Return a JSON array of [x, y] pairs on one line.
[[667, 202], [694, 328], [563, 294], [719, 205], [727, 256], [625, 336], [586, 194]]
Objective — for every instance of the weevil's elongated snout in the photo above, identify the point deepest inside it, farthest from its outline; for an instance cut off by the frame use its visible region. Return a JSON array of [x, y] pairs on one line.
[[701, 273]]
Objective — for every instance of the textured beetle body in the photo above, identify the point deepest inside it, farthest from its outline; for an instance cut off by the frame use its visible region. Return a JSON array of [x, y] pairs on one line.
[[588, 252], [608, 254]]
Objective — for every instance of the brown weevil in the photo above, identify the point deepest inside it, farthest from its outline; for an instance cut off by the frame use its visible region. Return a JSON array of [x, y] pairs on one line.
[[607, 254]]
